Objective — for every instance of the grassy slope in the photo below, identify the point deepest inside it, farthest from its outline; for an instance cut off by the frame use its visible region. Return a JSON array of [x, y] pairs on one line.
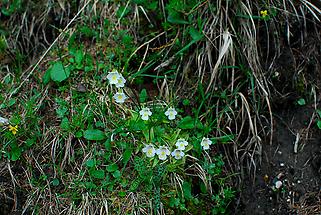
[[78, 150]]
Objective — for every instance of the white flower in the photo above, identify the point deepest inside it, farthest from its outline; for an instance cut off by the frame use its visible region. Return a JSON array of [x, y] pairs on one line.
[[120, 81], [3, 121], [149, 150], [120, 97], [163, 152], [113, 76], [181, 143], [145, 113], [278, 184], [178, 154], [171, 113], [206, 142]]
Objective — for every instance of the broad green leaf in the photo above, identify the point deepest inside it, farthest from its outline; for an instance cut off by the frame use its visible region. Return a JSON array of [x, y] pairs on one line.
[[94, 134], [100, 174], [186, 123], [319, 113], [15, 153], [319, 124], [58, 72]]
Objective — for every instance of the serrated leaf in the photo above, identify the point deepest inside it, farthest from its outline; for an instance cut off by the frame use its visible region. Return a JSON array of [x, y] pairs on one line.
[[58, 72], [94, 134]]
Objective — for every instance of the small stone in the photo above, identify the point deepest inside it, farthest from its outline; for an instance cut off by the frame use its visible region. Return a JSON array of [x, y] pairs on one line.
[[299, 182], [282, 164], [279, 152]]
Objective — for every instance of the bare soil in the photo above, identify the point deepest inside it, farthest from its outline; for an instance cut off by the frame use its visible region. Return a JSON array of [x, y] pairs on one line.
[[300, 173]]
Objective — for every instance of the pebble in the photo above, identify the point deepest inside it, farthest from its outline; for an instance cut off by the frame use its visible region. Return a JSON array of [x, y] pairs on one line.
[[282, 164]]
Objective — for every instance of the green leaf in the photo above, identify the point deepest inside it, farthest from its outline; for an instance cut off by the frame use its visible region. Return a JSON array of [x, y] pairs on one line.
[[187, 190], [176, 18], [186, 123], [319, 113], [11, 102], [143, 96], [122, 194], [224, 139], [94, 134], [112, 167], [117, 174], [55, 182], [79, 56], [90, 163], [99, 174], [196, 35], [301, 101], [15, 153], [64, 125], [30, 142], [58, 72], [46, 77], [126, 156], [319, 124]]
